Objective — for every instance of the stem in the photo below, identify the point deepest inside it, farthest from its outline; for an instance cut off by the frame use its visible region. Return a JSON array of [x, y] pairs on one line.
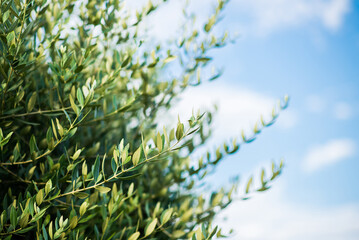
[[48, 151], [16, 176], [33, 113], [10, 233], [126, 170]]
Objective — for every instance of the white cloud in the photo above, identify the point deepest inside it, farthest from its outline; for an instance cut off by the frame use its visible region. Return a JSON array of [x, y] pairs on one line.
[[165, 23], [237, 108], [255, 16], [270, 216], [331, 152], [267, 16], [342, 111], [288, 119], [259, 17], [334, 12], [315, 104]]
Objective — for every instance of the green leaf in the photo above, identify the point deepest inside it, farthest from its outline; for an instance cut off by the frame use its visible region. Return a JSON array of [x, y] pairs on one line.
[[33, 145], [159, 142], [130, 177], [44, 233], [79, 68], [249, 183], [115, 156], [150, 227], [31, 102], [71, 132], [10, 38], [178, 233], [73, 222], [179, 131], [5, 16], [96, 168], [84, 169], [49, 135], [263, 188], [40, 197], [102, 189], [81, 195], [83, 208], [80, 97], [166, 216], [172, 135], [73, 105], [67, 116], [169, 59], [59, 128], [125, 63], [210, 23], [54, 129], [262, 176], [51, 234], [24, 220], [203, 59], [13, 217], [134, 236], [31, 172], [114, 166], [213, 233], [25, 230], [136, 156], [48, 187], [6, 139], [76, 154], [130, 189], [8, 136]]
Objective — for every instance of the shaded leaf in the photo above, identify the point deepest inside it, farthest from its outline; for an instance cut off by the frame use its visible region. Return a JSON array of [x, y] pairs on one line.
[[31, 102]]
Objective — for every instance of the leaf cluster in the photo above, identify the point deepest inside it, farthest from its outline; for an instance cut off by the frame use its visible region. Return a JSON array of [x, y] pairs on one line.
[[81, 156]]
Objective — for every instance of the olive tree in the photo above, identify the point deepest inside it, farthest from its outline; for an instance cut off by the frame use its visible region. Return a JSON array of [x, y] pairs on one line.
[[82, 155]]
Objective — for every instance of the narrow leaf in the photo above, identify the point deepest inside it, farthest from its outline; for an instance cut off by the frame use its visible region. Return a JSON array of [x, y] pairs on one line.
[[159, 142], [134, 236], [96, 168], [73, 105], [102, 189], [179, 131], [169, 59], [31, 102], [136, 156], [80, 97], [13, 217], [166, 215], [150, 227]]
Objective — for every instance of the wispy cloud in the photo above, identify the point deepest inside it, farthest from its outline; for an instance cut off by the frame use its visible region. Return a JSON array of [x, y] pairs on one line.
[[288, 119], [270, 216], [315, 104], [342, 111], [329, 153], [238, 108], [259, 17], [267, 16]]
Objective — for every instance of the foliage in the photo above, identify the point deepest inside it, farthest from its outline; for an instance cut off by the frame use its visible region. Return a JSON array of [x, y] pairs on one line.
[[81, 153]]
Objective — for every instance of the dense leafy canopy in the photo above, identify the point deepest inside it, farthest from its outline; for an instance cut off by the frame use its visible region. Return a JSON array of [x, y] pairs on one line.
[[82, 154]]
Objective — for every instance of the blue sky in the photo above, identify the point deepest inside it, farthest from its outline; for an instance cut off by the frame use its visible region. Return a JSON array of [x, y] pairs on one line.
[[310, 51], [292, 60]]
